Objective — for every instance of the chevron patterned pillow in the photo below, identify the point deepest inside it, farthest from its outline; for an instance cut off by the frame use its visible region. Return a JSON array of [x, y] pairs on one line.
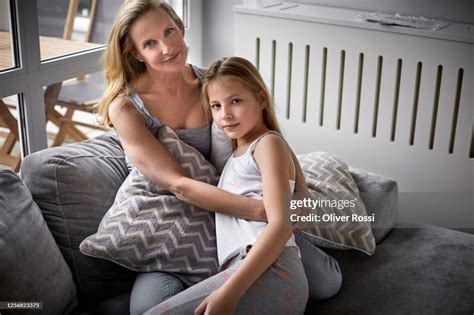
[[148, 229], [328, 179]]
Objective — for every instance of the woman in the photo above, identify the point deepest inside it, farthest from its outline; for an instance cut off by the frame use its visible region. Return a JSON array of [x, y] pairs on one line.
[[149, 83]]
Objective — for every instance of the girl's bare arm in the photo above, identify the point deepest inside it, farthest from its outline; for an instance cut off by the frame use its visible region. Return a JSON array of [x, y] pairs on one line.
[[272, 157]]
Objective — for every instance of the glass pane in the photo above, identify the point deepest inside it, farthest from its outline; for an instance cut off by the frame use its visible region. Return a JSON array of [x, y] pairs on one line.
[[10, 149], [69, 109], [67, 27], [6, 53]]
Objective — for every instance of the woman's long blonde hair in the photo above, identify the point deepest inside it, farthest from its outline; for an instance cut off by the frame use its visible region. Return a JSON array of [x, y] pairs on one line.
[[244, 71], [120, 66]]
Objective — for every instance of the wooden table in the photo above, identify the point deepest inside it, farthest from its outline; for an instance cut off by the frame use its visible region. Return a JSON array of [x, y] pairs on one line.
[[50, 47]]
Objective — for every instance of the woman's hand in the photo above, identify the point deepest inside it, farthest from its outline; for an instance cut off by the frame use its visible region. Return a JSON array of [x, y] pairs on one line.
[[259, 214], [218, 302]]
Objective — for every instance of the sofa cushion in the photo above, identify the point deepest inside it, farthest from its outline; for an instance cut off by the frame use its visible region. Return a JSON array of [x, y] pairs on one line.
[[380, 197], [147, 229], [74, 185], [31, 265], [417, 269], [330, 183]]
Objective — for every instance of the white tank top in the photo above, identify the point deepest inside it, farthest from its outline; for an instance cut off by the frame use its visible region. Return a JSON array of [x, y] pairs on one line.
[[241, 176]]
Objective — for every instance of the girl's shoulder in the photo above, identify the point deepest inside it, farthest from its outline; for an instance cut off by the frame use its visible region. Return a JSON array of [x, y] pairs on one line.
[[269, 145]]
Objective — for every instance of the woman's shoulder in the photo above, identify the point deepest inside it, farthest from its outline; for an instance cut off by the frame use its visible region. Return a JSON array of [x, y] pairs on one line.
[[119, 105]]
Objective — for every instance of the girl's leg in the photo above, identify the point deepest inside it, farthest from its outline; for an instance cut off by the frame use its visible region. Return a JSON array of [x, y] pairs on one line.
[[152, 288], [323, 272], [282, 288]]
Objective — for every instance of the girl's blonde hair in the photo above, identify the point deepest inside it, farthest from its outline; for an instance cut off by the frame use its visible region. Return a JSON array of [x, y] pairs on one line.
[[244, 71], [120, 66]]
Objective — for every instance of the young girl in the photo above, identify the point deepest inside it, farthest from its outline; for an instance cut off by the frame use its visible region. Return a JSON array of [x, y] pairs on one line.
[[271, 278]]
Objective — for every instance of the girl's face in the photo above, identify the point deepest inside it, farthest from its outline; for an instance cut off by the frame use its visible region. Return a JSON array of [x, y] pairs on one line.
[[158, 42], [235, 109]]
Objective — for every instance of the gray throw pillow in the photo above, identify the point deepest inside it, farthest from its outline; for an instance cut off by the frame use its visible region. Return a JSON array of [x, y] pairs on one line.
[[31, 266], [148, 229], [328, 178]]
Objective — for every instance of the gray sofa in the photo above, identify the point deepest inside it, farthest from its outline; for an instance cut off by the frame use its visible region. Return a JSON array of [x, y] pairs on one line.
[[415, 269]]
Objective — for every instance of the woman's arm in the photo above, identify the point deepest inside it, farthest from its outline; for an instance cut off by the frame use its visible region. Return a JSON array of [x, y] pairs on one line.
[[272, 156], [154, 161], [300, 181]]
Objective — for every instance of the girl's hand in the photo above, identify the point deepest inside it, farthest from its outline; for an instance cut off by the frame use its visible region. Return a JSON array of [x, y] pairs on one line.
[[218, 302]]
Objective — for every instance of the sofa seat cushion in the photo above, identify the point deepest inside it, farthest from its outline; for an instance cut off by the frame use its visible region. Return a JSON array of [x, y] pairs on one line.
[[31, 266], [74, 185], [417, 269]]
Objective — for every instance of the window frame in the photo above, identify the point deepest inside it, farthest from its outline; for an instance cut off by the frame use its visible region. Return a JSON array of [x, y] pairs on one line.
[[31, 74]]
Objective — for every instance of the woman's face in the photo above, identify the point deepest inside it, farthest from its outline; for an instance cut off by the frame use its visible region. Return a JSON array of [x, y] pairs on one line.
[[158, 42]]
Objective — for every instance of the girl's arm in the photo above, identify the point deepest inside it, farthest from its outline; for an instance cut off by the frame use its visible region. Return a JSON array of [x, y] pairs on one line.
[[273, 157], [154, 161]]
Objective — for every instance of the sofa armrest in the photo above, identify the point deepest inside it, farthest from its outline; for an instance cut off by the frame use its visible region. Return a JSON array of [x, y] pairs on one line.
[[74, 186], [31, 265], [380, 196]]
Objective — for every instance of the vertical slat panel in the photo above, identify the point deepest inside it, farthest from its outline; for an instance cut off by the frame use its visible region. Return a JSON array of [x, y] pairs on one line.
[[386, 99], [406, 101], [410, 66], [366, 110], [266, 60], [445, 110], [314, 84], [332, 87], [425, 105], [297, 83], [349, 91], [465, 128]]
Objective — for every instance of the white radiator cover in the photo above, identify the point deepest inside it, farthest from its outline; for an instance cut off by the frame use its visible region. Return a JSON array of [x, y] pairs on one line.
[[388, 99]]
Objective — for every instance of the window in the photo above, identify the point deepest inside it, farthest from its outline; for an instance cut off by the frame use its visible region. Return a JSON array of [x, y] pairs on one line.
[[48, 47]]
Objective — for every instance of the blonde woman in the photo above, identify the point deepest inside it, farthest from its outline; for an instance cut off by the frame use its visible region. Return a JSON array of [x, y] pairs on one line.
[[149, 84]]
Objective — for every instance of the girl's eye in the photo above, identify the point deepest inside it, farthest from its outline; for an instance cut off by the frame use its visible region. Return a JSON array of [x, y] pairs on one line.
[[215, 106], [169, 31], [236, 101], [149, 43]]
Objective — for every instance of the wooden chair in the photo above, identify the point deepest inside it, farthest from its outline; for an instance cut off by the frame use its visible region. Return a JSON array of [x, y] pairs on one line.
[[54, 94], [8, 121], [85, 92]]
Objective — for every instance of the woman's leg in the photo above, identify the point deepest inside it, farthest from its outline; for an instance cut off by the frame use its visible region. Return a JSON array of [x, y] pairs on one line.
[[323, 272], [283, 288], [152, 288]]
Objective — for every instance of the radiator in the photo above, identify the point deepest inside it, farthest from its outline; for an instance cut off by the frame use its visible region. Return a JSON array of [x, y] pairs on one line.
[[389, 99]]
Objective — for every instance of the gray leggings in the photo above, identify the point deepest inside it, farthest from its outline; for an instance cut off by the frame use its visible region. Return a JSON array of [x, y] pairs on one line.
[[281, 289], [322, 271]]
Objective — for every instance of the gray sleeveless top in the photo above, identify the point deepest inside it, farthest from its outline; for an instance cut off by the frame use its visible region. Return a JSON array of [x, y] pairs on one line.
[[199, 138]]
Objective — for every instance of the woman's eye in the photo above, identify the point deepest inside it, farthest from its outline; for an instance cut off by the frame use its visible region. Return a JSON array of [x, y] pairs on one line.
[[149, 43], [169, 31], [215, 106], [236, 101]]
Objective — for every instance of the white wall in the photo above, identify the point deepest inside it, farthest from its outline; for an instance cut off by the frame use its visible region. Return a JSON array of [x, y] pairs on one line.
[[218, 19]]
